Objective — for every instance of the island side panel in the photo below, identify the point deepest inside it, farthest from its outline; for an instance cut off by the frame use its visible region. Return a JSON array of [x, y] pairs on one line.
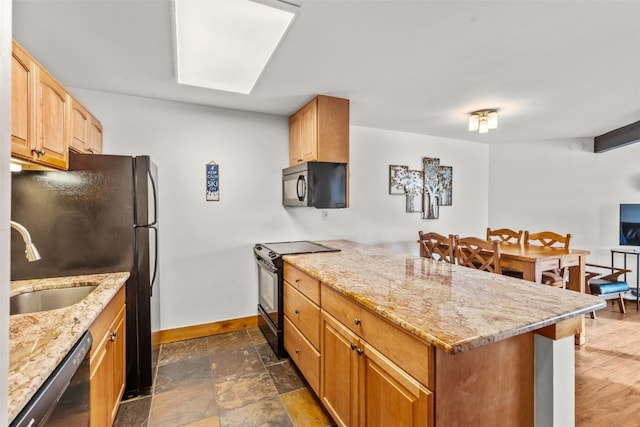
[[489, 385]]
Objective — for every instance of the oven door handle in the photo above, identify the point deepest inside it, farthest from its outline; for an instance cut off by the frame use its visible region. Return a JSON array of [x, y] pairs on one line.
[[266, 265]]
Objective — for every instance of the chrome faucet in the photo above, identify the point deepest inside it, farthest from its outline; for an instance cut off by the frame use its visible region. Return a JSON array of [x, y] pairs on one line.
[[30, 249]]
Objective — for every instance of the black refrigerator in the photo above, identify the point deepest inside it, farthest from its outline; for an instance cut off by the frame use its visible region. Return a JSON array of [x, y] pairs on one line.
[[100, 216]]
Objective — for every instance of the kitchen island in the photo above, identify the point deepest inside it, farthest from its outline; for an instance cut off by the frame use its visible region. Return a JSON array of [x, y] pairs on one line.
[[434, 343], [39, 341]]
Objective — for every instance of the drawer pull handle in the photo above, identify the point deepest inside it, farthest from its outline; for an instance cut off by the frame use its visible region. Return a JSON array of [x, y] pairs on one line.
[[353, 346], [357, 321], [360, 351]]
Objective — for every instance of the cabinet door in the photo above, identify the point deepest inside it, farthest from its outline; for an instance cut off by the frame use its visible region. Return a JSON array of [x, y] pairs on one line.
[[117, 360], [52, 121], [80, 120], [99, 396], [22, 103], [339, 378], [95, 136], [295, 130], [391, 397], [309, 132]]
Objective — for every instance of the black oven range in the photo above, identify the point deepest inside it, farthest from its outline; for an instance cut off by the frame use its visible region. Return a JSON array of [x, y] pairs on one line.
[[270, 285]]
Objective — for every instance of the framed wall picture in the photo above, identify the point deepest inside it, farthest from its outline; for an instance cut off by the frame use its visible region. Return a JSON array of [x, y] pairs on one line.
[[415, 186], [213, 181], [426, 190], [398, 176]]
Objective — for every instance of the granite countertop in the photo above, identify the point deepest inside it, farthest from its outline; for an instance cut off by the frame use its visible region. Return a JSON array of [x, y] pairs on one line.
[[39, 341], [451, 307]]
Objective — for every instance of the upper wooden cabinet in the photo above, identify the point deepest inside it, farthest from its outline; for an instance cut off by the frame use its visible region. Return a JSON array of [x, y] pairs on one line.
[[319, 131], [22, 103], [52, 122], [86, 130], [46, 121]]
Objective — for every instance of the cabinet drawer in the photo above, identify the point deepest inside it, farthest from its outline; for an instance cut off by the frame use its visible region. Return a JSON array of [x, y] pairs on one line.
[[306, 358], [410, 354], [303, 313], [104, 321], [304, 283]]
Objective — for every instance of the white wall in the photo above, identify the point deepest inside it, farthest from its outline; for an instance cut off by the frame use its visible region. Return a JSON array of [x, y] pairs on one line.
[[207, 268], [5, 199], [552, 186]]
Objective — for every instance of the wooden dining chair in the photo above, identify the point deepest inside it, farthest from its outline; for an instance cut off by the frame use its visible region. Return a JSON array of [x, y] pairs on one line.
[[605, 282], [476, 253], [436, 246], [558, 276], [505, 235]]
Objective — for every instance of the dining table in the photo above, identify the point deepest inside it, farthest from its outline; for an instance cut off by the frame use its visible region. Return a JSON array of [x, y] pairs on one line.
[[532, 260]]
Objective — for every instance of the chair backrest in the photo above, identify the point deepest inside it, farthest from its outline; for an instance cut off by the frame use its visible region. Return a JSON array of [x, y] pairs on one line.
[[505, 235], [547, 238], [436, 246], [476, 253]]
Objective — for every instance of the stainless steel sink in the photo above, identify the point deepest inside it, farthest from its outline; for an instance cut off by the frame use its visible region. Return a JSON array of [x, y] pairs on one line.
[[48, 299]]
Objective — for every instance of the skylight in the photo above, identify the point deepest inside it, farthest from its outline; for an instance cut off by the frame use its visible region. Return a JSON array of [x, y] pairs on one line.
[[226, 44]]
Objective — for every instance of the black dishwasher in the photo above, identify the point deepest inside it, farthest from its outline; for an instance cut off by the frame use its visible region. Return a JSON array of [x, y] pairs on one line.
[[63, 399]]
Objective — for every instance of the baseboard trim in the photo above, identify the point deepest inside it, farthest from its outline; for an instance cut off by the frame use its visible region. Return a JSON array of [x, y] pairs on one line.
[[199, 331]]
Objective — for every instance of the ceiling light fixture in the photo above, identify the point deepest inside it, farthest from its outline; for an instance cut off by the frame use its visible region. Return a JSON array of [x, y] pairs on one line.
[[483, 120], [226, 44]]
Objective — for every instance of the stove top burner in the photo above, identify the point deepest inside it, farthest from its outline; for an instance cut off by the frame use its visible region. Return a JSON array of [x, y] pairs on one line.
[[296, 247]]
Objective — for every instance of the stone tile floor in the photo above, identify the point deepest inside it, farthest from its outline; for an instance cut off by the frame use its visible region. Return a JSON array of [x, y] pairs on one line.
[[226, 380]]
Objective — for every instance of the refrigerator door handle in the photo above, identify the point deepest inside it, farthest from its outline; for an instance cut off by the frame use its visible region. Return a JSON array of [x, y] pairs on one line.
[[155, 200], [155, 260]]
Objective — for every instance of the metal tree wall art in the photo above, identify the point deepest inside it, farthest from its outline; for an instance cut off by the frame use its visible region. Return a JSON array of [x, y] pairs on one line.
[[426, 190]]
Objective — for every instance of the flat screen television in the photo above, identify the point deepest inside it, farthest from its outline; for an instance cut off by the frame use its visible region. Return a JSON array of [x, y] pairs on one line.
[[630, 224]]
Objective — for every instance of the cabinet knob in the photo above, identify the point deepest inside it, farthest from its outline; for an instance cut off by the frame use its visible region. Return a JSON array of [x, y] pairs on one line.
[[353, 346], [43, 152], [357, 321], [297, 281], [360, 351], [91, 150], [297, 350], [113, 337], [297, 311], [38, 151]]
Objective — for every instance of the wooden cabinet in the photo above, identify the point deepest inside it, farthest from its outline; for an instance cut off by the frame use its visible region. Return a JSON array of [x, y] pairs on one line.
[[22, 103], [107, 362], [319, 131], [361, 387], [86, 130], [414, 356], [40, 113], [52, 122], [352, 358], [46, 121], [302, 323]]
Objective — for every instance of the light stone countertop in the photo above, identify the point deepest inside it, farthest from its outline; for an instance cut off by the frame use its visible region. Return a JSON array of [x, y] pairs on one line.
[[39, 341], [452, 307]]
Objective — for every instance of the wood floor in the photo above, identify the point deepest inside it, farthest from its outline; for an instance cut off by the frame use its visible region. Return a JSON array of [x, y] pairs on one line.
[[608, 369]]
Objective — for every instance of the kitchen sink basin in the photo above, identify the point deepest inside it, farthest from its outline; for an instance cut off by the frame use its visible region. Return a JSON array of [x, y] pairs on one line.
[[48, 299]]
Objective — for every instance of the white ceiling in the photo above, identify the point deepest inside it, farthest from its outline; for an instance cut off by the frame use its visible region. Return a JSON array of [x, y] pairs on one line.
[[553, 69]]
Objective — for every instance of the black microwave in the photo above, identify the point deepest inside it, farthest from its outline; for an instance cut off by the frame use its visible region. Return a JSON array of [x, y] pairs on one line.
[[317, 184]]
